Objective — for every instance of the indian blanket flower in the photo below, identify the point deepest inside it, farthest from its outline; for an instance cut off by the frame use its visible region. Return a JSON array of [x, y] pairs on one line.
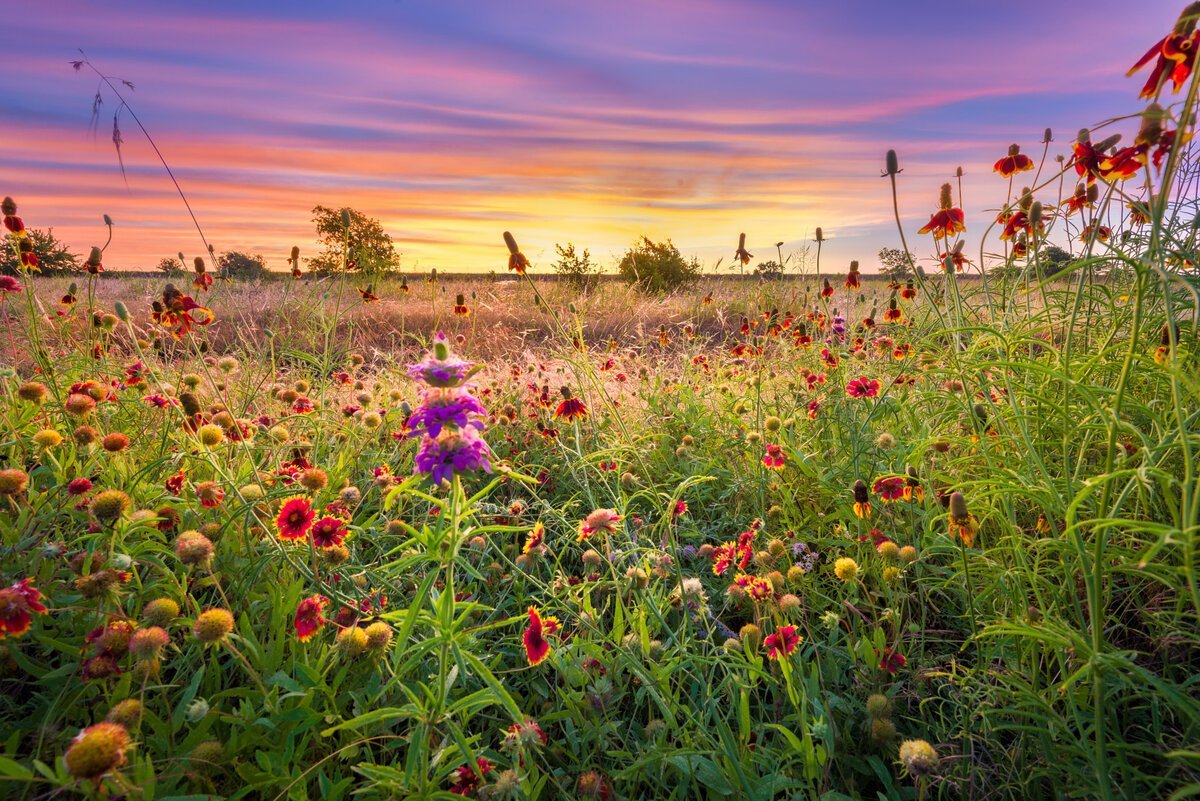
[[328, 532], [18, 604], [570, 408], [466, 777], [889, 488], [1174, 55], [891, 661], [97, 750], [535, 539], [1013, 163], [309, 618], [863, 387], [947, 221], [600, 521], [782, 642], [537, 647], [862, 500], [775, 457], [295, 518]]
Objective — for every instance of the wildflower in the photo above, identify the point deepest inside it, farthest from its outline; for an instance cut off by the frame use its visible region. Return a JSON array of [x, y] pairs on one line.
[[516, 259], [600, 521], [213, 625], [524, 735], [453, 451], [18, 604], [466, 777], [148, 643], [853, 278], [1126, 162], [13, 482], [328, 532], [193, 548], [891, 661], [741, 255], [210, 494], [109, 505], [1013, 163], [962, 523], [912, 485], [1101, 233], [178, 312], [160, 612], [537, 647], [827, 289], [863, 388], [295, 518], [97, 750], [1174, 56], [774, 458], [947, 221], [534, 540], [309, 619], [570, 408], [460, 307], [9, 284], [918, 757], [889, 488], [368, 295], [846, 569], [440, 407], [294, 261], [782, 642], [203, 281], [893, 314], [12, 222]]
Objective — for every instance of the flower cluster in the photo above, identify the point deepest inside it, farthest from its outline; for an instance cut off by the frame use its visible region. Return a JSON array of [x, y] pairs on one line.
[[449, 418]]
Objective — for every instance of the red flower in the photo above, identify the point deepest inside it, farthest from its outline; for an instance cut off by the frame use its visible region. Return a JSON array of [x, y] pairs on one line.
[[368, 295], [174, 484], [892, 661], [570, 408], [1174, 57], [863, 388], [1013, 163], [853, 279], [782, 642], [309, 618], [827, 289], [535, 538], [18, 604], [295, 518], [813, 407], [774, 458], [889, 488], [537, 647], [466, 780], [328, 532], [460, 307], [947, 220], [1087, 158], [202, 282]]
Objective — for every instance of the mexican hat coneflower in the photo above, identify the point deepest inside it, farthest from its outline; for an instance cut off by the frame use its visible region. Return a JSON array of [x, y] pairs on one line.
[[1013, 163], [947, 221], [741, 255], [962, 523], [516, 259], [862, 500], [853, 278], [570, 408], [1174, 55]]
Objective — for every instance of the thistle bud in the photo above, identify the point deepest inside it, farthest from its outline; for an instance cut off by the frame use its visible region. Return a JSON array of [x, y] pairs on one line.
[[958, 173], [893, 163], [1047, 137]]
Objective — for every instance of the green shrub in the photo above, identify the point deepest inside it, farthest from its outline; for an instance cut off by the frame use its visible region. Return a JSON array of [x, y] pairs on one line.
[[658, 267]]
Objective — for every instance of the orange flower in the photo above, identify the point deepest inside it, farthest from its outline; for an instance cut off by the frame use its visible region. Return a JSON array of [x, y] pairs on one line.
[[947, 221], [862, 500], [534, 540], [570, 408], [1013, 163]]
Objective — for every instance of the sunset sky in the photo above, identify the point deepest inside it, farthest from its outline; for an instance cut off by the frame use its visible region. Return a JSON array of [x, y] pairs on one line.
[[591, 122]]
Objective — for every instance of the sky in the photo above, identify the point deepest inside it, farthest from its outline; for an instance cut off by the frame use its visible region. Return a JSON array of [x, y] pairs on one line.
[[596, 123]]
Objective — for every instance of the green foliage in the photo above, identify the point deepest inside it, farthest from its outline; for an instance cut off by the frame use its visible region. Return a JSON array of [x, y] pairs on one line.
[[658, 267], [169, 266], [769, 270], [575, 268], [234, 264], [362, 247], [53, 255]]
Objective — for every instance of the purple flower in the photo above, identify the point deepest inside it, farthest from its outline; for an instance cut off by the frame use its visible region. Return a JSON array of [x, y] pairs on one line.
[[446, 407], [440, 367], [454, 451]]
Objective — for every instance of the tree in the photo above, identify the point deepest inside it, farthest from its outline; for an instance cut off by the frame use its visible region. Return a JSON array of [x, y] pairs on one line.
[[896, 263], [658, 266], [53, 255], [367, 248], [769, 270], [1052, 260], [169, 266], [234, 264], [575, 268]]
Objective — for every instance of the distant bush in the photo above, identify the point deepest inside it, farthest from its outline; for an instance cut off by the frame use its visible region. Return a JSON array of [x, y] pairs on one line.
[[53, 256], [169, 266], [575, 268], [658, 267], [769, 270], [234, 264]]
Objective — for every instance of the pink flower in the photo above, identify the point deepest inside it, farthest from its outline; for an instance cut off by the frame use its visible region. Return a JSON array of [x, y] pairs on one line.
[[863, 388]]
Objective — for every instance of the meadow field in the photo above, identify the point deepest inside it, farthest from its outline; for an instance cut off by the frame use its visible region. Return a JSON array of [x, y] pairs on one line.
[[826, 537]]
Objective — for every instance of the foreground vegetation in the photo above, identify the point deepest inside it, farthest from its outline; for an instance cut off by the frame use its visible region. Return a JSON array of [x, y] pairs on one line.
[[818, 539]]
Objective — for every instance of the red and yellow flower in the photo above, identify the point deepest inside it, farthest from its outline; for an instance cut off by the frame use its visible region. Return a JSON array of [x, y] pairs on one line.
[[309, 617], [295, 518], [783, 642], [18, 604], [947, 221], [1013, 163], [537, 647]]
